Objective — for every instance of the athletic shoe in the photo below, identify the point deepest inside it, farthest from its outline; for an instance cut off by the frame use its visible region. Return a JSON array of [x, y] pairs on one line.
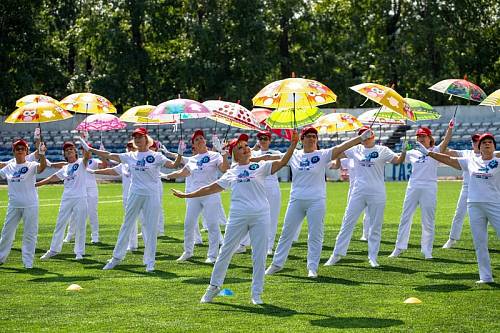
[[256, 300], [150, 268], [94, 241], [273, 269], [185, 256], [373, 262], [363, 238], [241, 249], [484, 281], [210, 293], [139, 234], [270, 252], [79, 257], [131, 249], [161, 234], [449, 244], [29, 266], [203, 230], [210, 260], [396, 253], [312, 274], [111, 264], [428, 256], [333, 260], [48, 254], [67, 239]]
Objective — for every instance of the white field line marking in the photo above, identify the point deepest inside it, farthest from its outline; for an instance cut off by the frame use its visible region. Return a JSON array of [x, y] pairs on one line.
[[58, 204]]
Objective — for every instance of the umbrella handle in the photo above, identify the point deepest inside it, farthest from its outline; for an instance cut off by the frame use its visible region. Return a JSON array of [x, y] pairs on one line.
[[376, 115], [294, 118], [455, 113]]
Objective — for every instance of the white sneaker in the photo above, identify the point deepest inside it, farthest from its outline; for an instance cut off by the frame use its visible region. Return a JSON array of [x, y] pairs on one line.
[[273, 269], [210, 260], [396, 253], [484, 281], [111, 264], [185, 256], [256, 300], [203, 230], [67, 239], [449, 244], [270, 252], [241, 249], [210, 293], [428, 256], [363, 238], [312, 274], [333, 260], [47, 255], [139, 234], [150, 267], [28, 266], [79, 257], [373, 262], [131, 249]]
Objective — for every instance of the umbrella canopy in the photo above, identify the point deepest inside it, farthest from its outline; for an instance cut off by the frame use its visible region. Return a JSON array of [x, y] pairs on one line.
[[385, 96], [179, 108], [336, 122], [290, 118], [492, 100], [373, 117], [421, 110], [28, 99], [87, 103], [140, 114], [101, 122], [232, 114], [35, 113], [460, 88], [261, 114]]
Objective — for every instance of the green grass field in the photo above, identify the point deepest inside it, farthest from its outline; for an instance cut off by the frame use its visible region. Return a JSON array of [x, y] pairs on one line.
[[350, 296]]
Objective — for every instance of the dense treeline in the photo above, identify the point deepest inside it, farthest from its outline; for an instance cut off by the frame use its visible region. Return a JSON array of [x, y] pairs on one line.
[[138, 51]]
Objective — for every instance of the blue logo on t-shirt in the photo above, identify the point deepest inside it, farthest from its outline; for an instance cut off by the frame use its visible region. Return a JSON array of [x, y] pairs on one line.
[[150, 159], [493, 164], [254, 166], [421, 159], [370, 156], [72, 170], [315, 159], [19, 172], [244, 177], [141, 163], [204, 160]]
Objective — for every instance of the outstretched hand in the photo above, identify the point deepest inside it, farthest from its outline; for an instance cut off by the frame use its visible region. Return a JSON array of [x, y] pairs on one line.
[[178, 193], [42, 149], [421, 148], [366, 135], [295, 137], [452, 122], [84, 144]]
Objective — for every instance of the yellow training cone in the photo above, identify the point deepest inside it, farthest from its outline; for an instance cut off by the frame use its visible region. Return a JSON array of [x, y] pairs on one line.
[[412, 300], [74, 287]]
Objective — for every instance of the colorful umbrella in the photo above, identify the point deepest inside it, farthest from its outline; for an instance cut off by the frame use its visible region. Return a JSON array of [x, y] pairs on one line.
[[261, 114], [373, 116], [385, 96], [232, 114], [492, 100], [28, 99], [36, 113], [336, 122], [460, 88], [140, 114], [421, 110], [179, 108], [101, 122], [290, 118], [87, 103]]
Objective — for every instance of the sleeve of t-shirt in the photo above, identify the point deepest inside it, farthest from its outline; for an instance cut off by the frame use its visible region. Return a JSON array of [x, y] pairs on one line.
[[34, 167], [124, 157], [60, 173], [464, 163], [92, 164], [350, 152], [218, 159], [118, 169], [2, 172], [160, 159], [326, 155], [225, 180], [388, 155], [266, 167]]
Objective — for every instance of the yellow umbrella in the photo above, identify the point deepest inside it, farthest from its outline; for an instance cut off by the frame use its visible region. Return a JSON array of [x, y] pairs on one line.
[[87, 103], [140, 114], [385, 96], [336, 122], [36, 113], [492, 100], [28, 99]]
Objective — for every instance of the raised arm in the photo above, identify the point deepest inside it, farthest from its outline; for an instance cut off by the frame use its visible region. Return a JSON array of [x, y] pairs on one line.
[[338, 151], [105, 171], [447, 137], [58, 165], [335, 165], [284, 160], [440, 157], [182, 173], [101, 153], [174, 165], [41, 155], [51, 179], [201, 192], [224, 166]]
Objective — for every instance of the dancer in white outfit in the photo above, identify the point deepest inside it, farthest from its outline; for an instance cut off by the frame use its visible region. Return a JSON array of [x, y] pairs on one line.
[[144, 166], [23, 202], [199, 171], [249, 212], [73, 201], [368, 193], [308, 198], [461, 210], [421, 190], [483, 196]]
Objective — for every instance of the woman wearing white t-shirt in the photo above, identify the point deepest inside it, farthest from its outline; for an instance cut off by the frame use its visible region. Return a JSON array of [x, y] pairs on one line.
[[483, 201], [422, 191], [23, 202], [308, 198], [368, 193], [201, 170], [73, 201], [144, 166], [249, 212]]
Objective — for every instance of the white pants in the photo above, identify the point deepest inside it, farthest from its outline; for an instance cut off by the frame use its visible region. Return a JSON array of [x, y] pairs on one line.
[[203, 205], [150, 206], [92, 203], [75, 208], [460, 212], [296, 211], [366, 218], [236, 228], [29, 215], [374, 205], [161, 219], [480, 213], [426, 198]]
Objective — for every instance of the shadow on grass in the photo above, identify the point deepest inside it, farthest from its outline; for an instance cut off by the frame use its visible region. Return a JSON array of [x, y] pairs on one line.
[[443, 288], [397, 269], [264, 309], [356, 322], [33, 271], [453, 276], [62, 278], [329, 279], [442, 260], [206, 281], [169, 239]]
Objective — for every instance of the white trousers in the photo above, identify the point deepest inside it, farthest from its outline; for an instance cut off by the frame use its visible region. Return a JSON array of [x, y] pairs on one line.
[[161, 218], [374, 205], [236, 228], [460, 212], [92, 203], [76, 209], [426, 199], [150, 206], [29, 215], [195, 207], [296, 211], [480, 213], [366, 218]]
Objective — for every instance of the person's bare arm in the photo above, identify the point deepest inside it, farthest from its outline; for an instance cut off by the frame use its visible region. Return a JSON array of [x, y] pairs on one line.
[[201, 192], [51, 179], [284, 160], [182, 173]]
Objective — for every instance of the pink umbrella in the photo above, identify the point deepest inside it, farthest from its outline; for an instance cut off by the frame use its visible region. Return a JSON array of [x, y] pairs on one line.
[[101, 122], [261, 114]]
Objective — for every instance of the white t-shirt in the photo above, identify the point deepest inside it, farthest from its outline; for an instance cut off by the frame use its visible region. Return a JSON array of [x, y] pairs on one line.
[[248, 194], [122, 170], [92, 164], [272, 179], [308, 173], [203, 170], [369, 166], [144, 170], [484, 183], [74, 177], [423, 168], [21, 180], [465, 174], [348, 164], [29, 158]]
